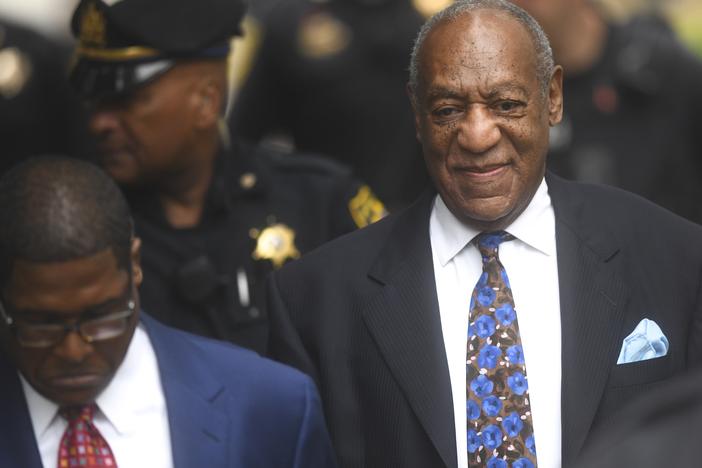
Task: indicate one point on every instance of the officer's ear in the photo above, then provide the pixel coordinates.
(209, 102)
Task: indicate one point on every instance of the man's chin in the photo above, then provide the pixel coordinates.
(74, 391)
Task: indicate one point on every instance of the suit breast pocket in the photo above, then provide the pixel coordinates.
(641, 372)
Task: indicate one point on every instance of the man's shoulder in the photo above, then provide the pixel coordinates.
(281, 162)
(182, 353)
(616, 209)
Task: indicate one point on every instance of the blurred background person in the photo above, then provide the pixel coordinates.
(39, 112)
(633, 92)
(330, 77)
(215, 216)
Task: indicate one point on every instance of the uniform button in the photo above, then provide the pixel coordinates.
(254, 313)
(247, 180)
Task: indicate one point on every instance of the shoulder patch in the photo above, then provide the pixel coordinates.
(365, 208)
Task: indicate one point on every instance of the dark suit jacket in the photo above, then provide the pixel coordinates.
(662, 428)
(227, 407)
(361, 316)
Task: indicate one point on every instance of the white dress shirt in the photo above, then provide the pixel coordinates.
(131, 416)
(530, 263)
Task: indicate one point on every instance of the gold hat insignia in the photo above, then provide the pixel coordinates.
(277, 244)
(93, 29)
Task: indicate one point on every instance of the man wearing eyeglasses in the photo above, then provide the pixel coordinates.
(87, 380)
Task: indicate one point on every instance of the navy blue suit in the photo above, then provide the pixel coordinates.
(227, 407)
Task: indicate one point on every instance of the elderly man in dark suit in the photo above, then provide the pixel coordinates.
(498, 322)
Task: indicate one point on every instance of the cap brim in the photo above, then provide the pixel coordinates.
(96, 79)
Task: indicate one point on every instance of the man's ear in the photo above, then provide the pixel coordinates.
(209, 103)
(555, 96)
(135, 257)
(413, 100)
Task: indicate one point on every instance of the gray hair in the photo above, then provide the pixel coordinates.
(544, 55)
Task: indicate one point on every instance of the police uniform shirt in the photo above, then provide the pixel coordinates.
(262, 209)
(332, 77)
(632, 120)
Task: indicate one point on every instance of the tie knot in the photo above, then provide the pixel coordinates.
(489, 242)
(74, 413)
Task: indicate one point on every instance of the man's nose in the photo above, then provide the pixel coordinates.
(103, 120)
(73, 348)
(478, 131)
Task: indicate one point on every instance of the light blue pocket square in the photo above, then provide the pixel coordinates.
(647, 341)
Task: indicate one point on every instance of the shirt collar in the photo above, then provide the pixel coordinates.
(135, 387)
(535, 227)
(42, 411)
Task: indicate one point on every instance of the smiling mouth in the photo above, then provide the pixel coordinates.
(485, 171)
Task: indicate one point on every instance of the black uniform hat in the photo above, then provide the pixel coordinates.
(124, 43)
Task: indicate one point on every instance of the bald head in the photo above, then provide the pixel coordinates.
(542, 49)
(55, 209)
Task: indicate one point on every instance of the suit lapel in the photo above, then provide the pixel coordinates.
(405, 323)
(18, 447)
(592, 297)
(193, 398)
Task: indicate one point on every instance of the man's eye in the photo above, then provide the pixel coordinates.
(445, 111)
(508, 106)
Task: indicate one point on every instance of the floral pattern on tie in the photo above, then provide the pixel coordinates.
(500, 429)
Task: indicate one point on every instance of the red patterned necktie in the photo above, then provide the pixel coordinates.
(82, 445)
(500, 430)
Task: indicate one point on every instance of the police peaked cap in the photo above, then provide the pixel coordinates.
(125, 43)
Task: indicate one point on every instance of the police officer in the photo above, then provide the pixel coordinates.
(633, 95)
(39, 112)
(215, 216)
(331, 76)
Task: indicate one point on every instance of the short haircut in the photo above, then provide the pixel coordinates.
(544, 55)
(55, 209)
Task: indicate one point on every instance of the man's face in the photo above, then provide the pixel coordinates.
(481, 117)
(72, 372)
(148, 133)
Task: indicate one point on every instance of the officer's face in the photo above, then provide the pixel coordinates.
(481, 117)
(150, 134)
(72, 371)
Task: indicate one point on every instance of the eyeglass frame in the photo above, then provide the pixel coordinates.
(74, 327)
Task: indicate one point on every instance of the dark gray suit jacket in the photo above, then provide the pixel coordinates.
(361, 316)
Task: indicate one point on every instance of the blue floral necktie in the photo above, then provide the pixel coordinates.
(500, 429)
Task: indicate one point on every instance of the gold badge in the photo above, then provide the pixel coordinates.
(321, 35)
(277, 244)
(427, 8)
(93, 32)
(15, 70)
(365, 208)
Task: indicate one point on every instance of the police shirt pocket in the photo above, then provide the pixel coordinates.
(641, 372)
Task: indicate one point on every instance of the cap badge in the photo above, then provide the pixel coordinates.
(277, 244)
(365, 208)
(93, 27)
(321, 35)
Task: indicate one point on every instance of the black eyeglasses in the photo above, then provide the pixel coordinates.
(45, 335)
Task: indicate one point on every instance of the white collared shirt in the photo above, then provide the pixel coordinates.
(530, 263)
(132, 414)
